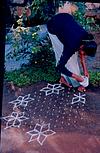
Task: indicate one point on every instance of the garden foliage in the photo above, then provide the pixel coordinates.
(27, 43)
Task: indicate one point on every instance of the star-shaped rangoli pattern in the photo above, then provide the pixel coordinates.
(21, 101)
(79, 98)
(40, 133)
(50, 89)
(15, 119)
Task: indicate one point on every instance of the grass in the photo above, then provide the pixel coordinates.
(30, 75)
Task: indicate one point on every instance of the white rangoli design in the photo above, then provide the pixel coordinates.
(79, 98)
(21, 101)
(15, 119)
(50, 89)
(40, 133)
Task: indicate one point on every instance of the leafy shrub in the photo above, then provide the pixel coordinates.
(42, 10)
(24, 41)
(44, 58)
(30, 75)
(95, 78)
(87, 23)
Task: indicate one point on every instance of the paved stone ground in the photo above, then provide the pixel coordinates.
(63, 121)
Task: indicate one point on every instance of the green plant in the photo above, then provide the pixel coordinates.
(24, 42)
(17, 77)
(31, 75)
(39, 9)
(45, 57)
(95, 78)
(87, 23)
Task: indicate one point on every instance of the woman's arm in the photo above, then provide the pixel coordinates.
(83, 63)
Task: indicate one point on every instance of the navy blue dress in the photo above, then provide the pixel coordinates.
(70, 33)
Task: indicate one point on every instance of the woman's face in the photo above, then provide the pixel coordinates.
(81, 51)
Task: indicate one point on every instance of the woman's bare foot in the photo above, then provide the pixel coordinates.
(63, 81)
(81, 89)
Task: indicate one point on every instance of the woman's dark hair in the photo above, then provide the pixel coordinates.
(90, 48)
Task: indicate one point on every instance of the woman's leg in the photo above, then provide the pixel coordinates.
(73, 66)
(64, 80)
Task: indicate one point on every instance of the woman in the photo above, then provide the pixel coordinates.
(69, 40)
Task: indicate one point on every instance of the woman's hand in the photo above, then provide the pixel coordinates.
(77, 77)
(86, 73)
